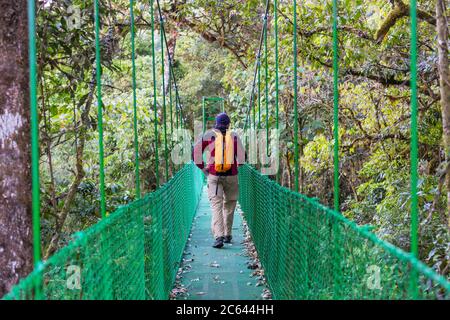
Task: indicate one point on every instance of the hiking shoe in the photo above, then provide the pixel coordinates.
(227, 239)
(218, 243)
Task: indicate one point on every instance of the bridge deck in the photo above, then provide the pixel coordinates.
(210, 274)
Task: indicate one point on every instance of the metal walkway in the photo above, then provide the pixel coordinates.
(210, 273)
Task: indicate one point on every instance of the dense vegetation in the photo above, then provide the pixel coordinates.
(214, 44)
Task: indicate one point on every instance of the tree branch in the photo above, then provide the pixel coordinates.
(400, 11)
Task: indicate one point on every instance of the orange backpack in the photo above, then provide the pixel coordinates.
(224, 151)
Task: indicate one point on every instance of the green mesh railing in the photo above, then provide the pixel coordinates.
(132, 254)
(309, 251)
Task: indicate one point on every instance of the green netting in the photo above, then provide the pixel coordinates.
(132, 254)
(309, 251)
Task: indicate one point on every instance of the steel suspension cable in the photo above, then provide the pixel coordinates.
(259, 92)
(253, 107)
(155, 103)
(35, 184)
(414, 147)
(337, 281)
(135, 122)
(275, 12)
(178, 104)
(170, 101)
(266, 79)
(295, 52)
(98, 75)
(255, 75)
(336, 104)
(204, 114)
(163, 61)
(176, 116)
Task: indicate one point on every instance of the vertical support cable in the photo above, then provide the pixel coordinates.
(259, 91)
(277, 125)
(337, 239)
(253, 107)
(176, 114)
(414, 146)
(266, 79)
(135, 122)
(166, 161)
(296, 160)
(203, 114)
(178, 104)
(336, 105)
(255, 75)
(155, 104)
(180, 111)
(35, 192)
(98, 74)
(170, 97)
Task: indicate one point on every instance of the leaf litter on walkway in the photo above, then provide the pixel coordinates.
(253, 263)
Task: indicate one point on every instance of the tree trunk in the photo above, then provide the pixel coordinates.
(15, 173)
(444, 83)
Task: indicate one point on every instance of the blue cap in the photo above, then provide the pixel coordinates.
(222, 120)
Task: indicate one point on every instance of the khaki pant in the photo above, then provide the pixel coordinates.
(223, 194)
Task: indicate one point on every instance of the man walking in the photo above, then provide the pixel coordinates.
(225, 154)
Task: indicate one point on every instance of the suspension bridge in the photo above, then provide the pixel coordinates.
(307, 250)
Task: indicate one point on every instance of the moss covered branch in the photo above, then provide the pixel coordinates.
(399, 11)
